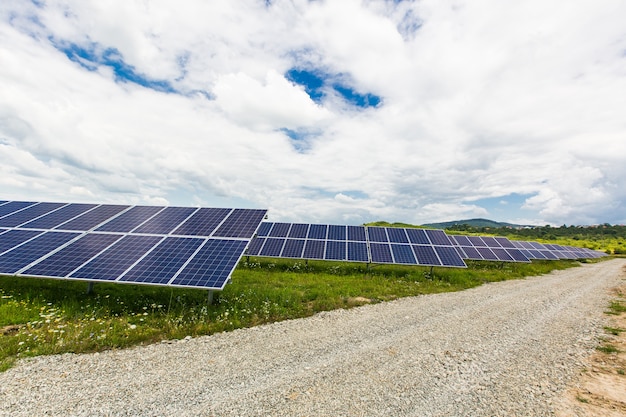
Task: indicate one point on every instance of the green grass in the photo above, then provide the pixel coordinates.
(616, 308)
(607, 348)
(615, 331)
(40, 317)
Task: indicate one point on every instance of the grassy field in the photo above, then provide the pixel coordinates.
(39, 317)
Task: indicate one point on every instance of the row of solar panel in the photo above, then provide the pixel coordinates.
(355, 243)
(491, 249)
(178, 221)
(161, 260)
(334, 250)
(395, 245)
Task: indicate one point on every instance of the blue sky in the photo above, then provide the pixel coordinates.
(328, 111)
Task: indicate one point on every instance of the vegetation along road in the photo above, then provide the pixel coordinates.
(502, 349)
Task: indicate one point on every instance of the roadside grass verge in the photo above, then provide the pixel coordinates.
(45, 316)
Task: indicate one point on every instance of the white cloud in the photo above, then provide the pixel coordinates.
(479, 100)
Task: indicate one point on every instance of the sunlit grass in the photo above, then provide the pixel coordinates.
(39, 317)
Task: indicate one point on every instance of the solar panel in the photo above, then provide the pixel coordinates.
(12, 238)
(176, 246)
(438, 237)
(293, 248)
(72, 256)
(337, 232)
(112, 263)
(381, 253)
(377, 234)
(59, 216)
(299, 231)
(272, 247)
(397, 235)
(317, 231)
(449, 256)
(314, 249)
(426, 255)
(255, 246)
(130, 219)
(356, 233)
(264, 229)
(25, 254)
(14, 206)
(28, 214)
(92, 218)
(241, 223)
(166, 221)
(161, 264)
(418, 236)
(357, 252)
(403, 254)
(212, 265)
(335, 250)
(280, 229)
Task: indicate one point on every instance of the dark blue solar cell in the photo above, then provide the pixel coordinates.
(377, 234)
(28, 214)
(164, 261)
(280, 230)
(92, 218)
(299, 231)
(397, 235)
(241, 223)
(335, 250)
(293, 248)
(14, 206)
(357, 251)
(13, 238)
(491, 242)
(530, 245)
(255, 246)
(203, 222)
(317, 231)
(438, 237)
(533, 253)
(212, 266)
(471, 253)
(59, 216)
(477, 241)
(502, 254)
(417, 236)
(505, 243)
(356, 233)
(426, 255)
(449, 256)
(112, 263)
(166, 221)
(462, 240)
(314, 249)
(487, 254)
(272, 247)
(402, 254)
(264, 229)
(22, 256)
(336, 232)
(517, 255)
(130, 219)
(381, 252)
(63, 262)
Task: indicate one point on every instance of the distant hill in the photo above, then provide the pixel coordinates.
(474, 223)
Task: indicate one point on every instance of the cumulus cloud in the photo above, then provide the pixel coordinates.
(196, 104)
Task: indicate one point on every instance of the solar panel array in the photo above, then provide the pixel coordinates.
(502, 249)
(381, 245)
(176, 246)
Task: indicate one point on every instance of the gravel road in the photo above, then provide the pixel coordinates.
(502, 349)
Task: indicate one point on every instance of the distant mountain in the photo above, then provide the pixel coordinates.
(474, 223)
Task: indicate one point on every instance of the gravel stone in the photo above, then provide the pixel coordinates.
(502, 349)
